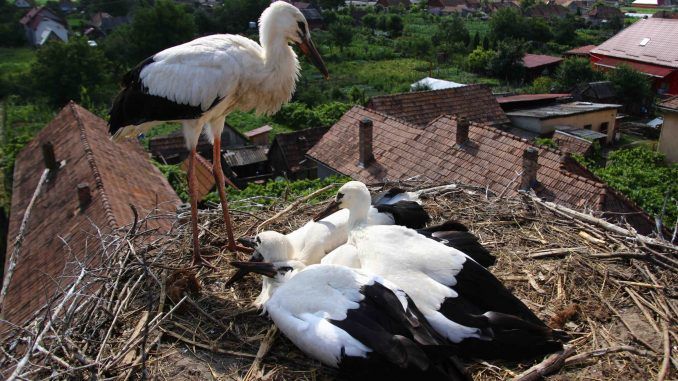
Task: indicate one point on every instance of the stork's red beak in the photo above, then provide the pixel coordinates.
(309, 50)
(331, 208)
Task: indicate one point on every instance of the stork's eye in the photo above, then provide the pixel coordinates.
(257, 240)
(302, 27)
(340, 196)
(285, 269)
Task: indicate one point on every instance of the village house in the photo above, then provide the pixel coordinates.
(474, 102)
(602, 14)
(243, 165)
(596, 117)
(581, 51)
(171, 148)
(572, 143)
(374, 147)
(259, 136)
(668, 139)
(648, 46)
(90, 184)
(42, 24)
(287, 154)
(446, 7)
(598, 92)
(102, 23)
(393, 3)
(539, 65)
(527, 101)
(546, 11)
(429, 83)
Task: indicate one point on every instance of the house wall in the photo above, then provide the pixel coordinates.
(45, 26)
(325, 171)
(547, 126)
(668, 139)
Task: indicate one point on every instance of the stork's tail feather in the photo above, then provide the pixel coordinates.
(454, 234)
(406, 213)
(394, 195)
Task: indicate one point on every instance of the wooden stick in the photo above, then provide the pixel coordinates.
(546, 367)
(556, 252)
(264, 347)
(664, 369)
(212, 348)
(603, 351)
(644, 310)
(18, 242)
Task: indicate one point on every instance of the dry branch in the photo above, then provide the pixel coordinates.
(551, 364)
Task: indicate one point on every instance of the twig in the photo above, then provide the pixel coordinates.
(603, 351)
(212, 348)
(264, 347)
(546, 367)
(664, 369)
(18, 242)
(294, 205)
(556, 252)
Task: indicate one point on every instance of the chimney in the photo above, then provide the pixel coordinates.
(365, 143)
(530, 166)
(462, 131)
(84, 195)
(48, 156)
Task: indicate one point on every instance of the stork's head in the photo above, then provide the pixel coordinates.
(284, 19)
(353, 195)
(269, 247)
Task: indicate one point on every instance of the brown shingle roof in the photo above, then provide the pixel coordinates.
(532, 61)
(581, 51)
(117, 174)
(570, 143)
(474, 102)
(294, 145)
(203, 175)
(660, 49)
(546, 11)
(491, 158)
(670, 104)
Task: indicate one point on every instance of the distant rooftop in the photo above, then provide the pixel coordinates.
(581, 51)
(530, 97)
(531, 61)
(564, 109)
(436, 84)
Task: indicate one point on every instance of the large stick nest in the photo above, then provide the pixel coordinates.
(134, 313)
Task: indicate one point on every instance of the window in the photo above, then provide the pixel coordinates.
(587, 127)
(603, 128)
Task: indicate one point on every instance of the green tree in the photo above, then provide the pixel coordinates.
(508, 23)
(508, 62)
(394, 25)
(479, 60)
(159, 27)
(575, 71)
(565, 30)
(541, 85)
(234, 16)
(11, 32)
(114, 8)
(486, 42)
(370, 21)
(633, 88)
(645, 178)
(539, 30)
(65, 71)
(475, 41)
(451, 30)
(331, 4)
(342, 32)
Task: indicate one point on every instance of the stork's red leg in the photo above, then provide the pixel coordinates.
(219, 178)
(197, 258)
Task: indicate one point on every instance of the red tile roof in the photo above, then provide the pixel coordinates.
(605, 12)
(531, 61)
(660, 49)
(570, 143)
(670, 104)
(530, 97)
(203, 175)
(649, 69)
(292, 147)
(546, 11)
(474, 102)
(257, 131)
(581, 51)
(117, 175)
(491, 158)
(34, 17)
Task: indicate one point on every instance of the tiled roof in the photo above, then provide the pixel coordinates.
(474, 102)
(605, 12)
(245, 155)
(117, 174)
(294, 145)
(34, 17)
(546, 11)
(563, 109)
(257, 131)
(530, 97)
(531, 61)
(581, 51)
(175, 144)
(659, 49)
(490, 158)
(570, 143)
(203, 175)
(670, 104)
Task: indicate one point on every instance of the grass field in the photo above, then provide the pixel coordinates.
(640, 10)
(14, 60)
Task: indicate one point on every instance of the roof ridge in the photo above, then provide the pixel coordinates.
(91, 160)
(428, 91)
(387, 116)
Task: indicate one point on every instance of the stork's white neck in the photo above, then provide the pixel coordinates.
(357, 216)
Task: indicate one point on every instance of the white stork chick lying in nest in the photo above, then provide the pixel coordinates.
(461, 299)
(350, 320)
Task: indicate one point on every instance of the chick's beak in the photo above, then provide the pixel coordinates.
(243, 270)
(331, 208)
(263, 268)
(309, 50)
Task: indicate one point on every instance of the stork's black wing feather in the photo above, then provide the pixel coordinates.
(406, 213)
(455, 234)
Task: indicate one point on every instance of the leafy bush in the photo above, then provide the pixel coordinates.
(575, 71)
(545, 142)
(541, 85)
(645, 178)
(479, 60)
(633, 88)
(176, 178)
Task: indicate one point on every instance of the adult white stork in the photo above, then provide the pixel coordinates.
(351, 320)
(463, 301)
(200, 82)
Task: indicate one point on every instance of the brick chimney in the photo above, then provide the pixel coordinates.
(530, 166)
(365, 143)
(462, 130)
(48, 156)
(84, 195)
